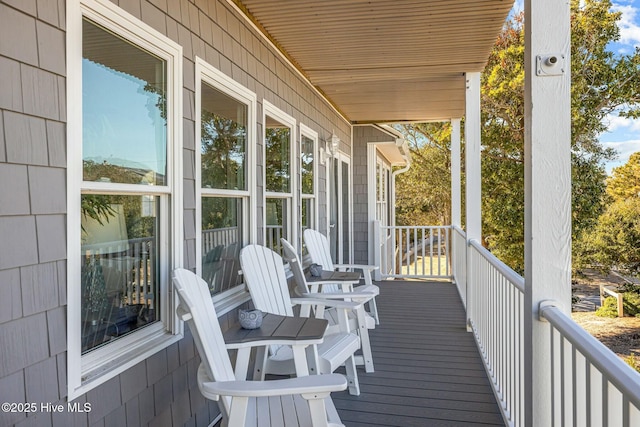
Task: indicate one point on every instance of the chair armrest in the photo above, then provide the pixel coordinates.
(347, 305)
(319, 385)
(363, 289)
(358, 296)
(358, 266)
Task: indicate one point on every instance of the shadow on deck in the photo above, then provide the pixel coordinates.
(427, 368)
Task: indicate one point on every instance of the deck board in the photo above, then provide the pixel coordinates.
(427, 368)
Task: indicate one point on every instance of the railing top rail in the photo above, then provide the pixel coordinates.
(458, 230)
(614, 369)
(513, 277)
(415, 227)
(234, 227)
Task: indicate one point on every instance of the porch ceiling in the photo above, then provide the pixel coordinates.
(383, 61)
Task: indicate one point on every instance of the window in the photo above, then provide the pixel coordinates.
(309, 214)
(383, 172)
(225, 156)
(279, 187)
(124, 229)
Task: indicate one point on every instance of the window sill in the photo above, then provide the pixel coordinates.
(105, 363)
(95, 374)
(231, 299)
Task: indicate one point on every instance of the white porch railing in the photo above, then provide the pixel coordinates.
(420, 251)
(273, 236)
(497, 308)
(128, 267)
(459, 261)
(591, 386)
(218, 237)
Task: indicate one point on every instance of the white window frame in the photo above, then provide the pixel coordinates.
(268, 109)
(338, 158)
(307, 132)
(85, 372)
(206, 73)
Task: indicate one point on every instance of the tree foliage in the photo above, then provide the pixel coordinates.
(615, 240)
(602, 83)
(223, 163)
(425, 188)
(624, 182)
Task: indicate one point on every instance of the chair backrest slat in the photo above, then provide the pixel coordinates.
(320, 253)
(318, 247)
(195, 299)
(266, 279)
(291, 257)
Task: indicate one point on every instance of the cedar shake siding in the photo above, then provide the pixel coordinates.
(161, 390)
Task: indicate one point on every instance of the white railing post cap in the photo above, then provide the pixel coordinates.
(548, 304)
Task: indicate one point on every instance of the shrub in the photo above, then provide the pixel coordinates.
(633, 362)
(630, 304)
(609, 308)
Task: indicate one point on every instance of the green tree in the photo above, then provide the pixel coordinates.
(223, 145)
(426, 186)
(624, 182)
(602, 83)
(277, 142)
(615, 239)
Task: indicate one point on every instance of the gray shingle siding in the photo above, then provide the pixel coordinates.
(162, 389)
(363, 135)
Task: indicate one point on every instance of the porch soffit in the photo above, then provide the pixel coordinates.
(383, 61)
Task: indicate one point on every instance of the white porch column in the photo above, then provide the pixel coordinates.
(456, 191)
(473, 186)
(547, 190)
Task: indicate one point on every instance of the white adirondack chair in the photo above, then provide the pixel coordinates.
(264, 275)
(358, 319)
(320, 252)
(303, 401)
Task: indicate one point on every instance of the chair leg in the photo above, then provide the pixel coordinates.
(373, 308)
(365, 343)
(352, 376)
(260, 363)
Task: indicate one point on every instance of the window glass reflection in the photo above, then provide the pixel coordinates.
(221, 240)
(120, 279)
(278, 146)
(124, 135)
(306, 165)
(277, 211)
(223, 140)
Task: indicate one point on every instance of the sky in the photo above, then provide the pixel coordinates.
(624, 134)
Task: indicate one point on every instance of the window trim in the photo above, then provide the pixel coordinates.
(206, 73)
(85, 372)
(268, 109)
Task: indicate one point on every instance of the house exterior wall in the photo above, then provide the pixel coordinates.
(161, 390)
(363, 135)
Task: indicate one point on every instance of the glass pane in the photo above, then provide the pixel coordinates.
(308, 218)
(120, 279)
(222, 237)
(345, 214)
(277, 212)
(333, 214)
(124, 105)
(278, 146)
(306, 165)
(223, 140)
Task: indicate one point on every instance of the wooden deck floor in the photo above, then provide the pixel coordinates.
(427, 368)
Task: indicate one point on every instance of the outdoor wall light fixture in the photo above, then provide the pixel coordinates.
(331, 147)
